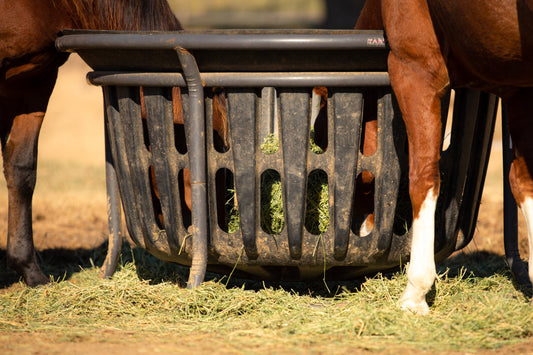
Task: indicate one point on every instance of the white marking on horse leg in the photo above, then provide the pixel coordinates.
(367, 226)
(421, 272)
(527, 210)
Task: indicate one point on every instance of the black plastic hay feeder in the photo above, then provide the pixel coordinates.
(267, 78)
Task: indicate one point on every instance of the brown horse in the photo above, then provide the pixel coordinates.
(436, 45)
(28, 67)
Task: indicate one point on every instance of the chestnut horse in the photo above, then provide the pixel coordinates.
(436, 45)
(29, 65)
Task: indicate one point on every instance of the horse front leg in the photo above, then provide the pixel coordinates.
(419, 79)
(20, 165)
(20, 124)
(420, 106)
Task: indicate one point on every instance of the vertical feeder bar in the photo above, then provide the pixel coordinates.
(295, 142)
(197, 160)
(242, 110)
(347, 119)
(113, 203)
(484, 123)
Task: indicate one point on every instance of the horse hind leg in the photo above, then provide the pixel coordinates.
(520, 125)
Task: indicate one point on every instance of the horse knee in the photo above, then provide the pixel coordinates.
(20, 153)
(20, 178)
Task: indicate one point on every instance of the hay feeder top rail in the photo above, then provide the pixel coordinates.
(267, 80)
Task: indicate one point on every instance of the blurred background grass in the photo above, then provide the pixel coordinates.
(267, 13)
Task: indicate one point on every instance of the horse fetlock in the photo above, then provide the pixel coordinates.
(422, 281)
(28, 268)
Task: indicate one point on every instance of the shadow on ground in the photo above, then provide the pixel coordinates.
(58, 263)
(63, 263)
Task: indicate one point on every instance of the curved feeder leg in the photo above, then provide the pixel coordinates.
(197, 163)
(510, 215)
(113, 215)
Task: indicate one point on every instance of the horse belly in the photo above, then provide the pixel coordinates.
(485, 43)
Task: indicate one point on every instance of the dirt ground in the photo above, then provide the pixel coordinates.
(70, 213)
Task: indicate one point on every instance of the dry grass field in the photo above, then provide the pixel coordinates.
(254, 13)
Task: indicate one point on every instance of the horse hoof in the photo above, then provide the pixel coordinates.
(419, 308)
(36, 279)
(521, 274)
